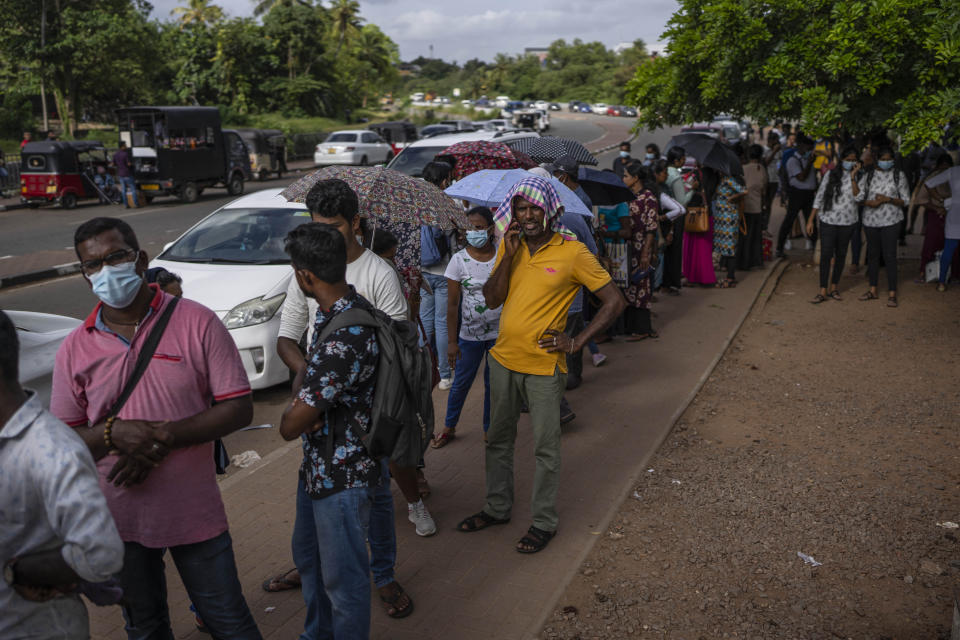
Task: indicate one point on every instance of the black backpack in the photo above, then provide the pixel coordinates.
(402, 418)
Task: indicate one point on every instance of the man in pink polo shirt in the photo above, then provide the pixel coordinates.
(156, 460)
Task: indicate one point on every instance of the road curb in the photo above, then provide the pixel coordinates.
(533, 631)
(58, 271)
(633, 136)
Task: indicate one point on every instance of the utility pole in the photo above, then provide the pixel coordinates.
(431, 52)
(43, 42)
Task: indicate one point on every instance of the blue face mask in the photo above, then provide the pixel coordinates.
(117, 286)
(885, 165)
(477, 237)
(650, 156)
(624, 154)
(848, 165)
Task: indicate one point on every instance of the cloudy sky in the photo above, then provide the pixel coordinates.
(463, 30)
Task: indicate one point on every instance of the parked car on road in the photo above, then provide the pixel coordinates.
(415, 157)
(728, 133)
(613, 110)
(599, 108)
(397, 134)
(541, 104)
(40, 335)
(233, 262)
(628, 112)
(436, 130)
(554, 106)
(352, 147)
(460, 125)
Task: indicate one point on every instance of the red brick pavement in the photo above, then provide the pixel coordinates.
(475, 585)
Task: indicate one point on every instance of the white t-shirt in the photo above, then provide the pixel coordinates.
(478, 321)
(370, 275)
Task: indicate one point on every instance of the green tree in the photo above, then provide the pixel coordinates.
(199, 12)
(830, 64)
(345, 21)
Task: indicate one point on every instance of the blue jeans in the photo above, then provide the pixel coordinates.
(128, 181)
(330, 551)
(949, 248)
(472, 354)
(382, 535)
(209, 573)
(433, 315)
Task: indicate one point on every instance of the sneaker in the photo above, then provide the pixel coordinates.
(787, 245)
(445, 383)
(599, 359)
(809, 245)
(417, 514)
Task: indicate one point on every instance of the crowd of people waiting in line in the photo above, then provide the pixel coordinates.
(522, 292)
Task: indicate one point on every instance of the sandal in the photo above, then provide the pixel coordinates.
(892, 302)
(637, 337)
(536, 539)
(941, 287)
(479, 521)
(726, 283)
(390, 602)
(442, 440)
(835, 295)
(869, 295)
(818, 299)
(282, 582)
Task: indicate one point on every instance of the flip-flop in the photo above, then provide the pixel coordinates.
(390, 602)
(818, 299)
(442, 440)
(835, 295)
(869, 295)
(280, 583)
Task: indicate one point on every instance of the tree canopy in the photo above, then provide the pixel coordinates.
(298, 58)
(851, 65)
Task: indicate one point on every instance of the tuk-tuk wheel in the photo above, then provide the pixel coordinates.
(68, 200)
(235, 186)
(189, 192)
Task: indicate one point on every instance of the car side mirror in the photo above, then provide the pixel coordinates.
(167, 246)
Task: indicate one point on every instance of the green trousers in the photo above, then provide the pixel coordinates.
(508, 390)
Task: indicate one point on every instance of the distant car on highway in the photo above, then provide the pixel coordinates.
(415, 157)
(40, 335)
(628, 112)
(541, 104)
(352, 147)
(233, 262)
(554, 106)
(599, 108)
(613, 110)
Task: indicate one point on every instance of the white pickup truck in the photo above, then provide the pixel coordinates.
(535, 119)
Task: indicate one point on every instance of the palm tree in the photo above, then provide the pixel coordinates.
(345, 21)
(377, 54)
(198, 11)
(264, 6)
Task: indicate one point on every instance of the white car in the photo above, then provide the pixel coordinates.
(233, 262)
(415, 157)
(352, 147)
(40, 335)
(543, 105)
(599, 109)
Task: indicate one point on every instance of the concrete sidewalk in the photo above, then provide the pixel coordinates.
(476, 585)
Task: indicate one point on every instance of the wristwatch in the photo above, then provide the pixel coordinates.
(10, 572)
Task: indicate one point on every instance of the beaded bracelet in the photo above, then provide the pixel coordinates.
(106, 433)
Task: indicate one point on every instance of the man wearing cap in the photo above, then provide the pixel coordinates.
(539, 269)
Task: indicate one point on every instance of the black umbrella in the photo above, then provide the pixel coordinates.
(548, 149)
(709, 152)
(605, 188)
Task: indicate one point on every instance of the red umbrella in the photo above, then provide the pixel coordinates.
(470, 157)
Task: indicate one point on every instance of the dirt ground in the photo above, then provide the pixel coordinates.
(826, 429)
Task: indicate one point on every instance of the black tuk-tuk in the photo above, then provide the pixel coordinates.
(181, 151)
(60, 172)
(268, 151)
(397, 134)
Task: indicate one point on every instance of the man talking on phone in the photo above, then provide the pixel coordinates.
(539, 269)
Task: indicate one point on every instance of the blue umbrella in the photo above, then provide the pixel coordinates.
(489, 187)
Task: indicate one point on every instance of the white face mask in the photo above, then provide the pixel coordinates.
(117, 286)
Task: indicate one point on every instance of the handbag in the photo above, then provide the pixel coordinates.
(698, 220)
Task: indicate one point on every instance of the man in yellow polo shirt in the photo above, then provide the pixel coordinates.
(539, 270)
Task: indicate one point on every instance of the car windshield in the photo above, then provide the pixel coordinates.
(341, 137)
(412, 160)
(238, 236)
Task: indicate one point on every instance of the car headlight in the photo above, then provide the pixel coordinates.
(251, 312)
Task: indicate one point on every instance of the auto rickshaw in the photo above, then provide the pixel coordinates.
(397, 134)
(268, 151)
(59, 171)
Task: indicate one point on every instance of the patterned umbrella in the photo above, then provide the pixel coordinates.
(549, 149)
(526, 162)
(470, 157)
(386, 194)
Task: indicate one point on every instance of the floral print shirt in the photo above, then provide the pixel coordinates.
(892, 183)
(844, 207)
(340, 379)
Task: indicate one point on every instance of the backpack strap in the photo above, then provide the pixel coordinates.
(349, 318)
